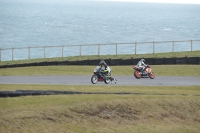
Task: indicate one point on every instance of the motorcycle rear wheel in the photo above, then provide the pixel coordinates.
(151, 75)
(94, 79)
(137, 74)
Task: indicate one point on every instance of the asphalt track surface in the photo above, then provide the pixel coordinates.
(86, 80)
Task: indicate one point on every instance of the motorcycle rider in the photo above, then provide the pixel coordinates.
(106, 67)
(141, 65)
(107, 70)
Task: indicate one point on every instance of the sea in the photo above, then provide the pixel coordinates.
(33, 23)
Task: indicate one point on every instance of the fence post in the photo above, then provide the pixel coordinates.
(153, 48)
(29, 53)
(62, 51)
(135, 47)
(44, 52)
(191, 45)
(80, 49)
(173, 46)
(12, 53)
(98, 49)
(116, 48)
(0, 54)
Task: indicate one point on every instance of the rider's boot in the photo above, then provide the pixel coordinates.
(113, 80)
(143, 71)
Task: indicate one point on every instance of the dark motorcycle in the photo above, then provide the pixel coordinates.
(147, 72)
(100, 76)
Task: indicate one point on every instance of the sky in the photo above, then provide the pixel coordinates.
(160, 1)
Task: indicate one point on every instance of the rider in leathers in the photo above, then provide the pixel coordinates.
(141, 65)
(106, 67)
(107, 71)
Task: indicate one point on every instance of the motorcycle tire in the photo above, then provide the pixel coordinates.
(107, 80)
(151, 75)
(137, 75)
(94, 79)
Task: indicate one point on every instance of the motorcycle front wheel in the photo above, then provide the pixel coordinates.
(107, 80)
(151, 75)
(94, 79)
(137, 74)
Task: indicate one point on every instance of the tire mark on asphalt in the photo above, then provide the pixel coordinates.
(18, 93)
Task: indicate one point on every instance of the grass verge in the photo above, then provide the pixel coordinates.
(159, 70)
(159, 109)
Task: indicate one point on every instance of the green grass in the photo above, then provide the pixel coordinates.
(141, 113)
(150, 90)
(125, 56)
(154, 109)
(159, 70)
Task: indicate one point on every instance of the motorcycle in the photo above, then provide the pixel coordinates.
(100, 76)
(147, 72)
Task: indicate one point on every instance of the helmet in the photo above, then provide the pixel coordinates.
(142, 60)
(102, 63)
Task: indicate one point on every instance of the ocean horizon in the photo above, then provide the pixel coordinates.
(55, 23)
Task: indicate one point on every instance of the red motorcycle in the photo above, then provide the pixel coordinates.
(147, 72)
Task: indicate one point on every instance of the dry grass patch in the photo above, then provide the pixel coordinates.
(132, 111)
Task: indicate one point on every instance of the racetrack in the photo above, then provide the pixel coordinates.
(86, 80)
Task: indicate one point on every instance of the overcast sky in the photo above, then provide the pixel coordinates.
(160, 1)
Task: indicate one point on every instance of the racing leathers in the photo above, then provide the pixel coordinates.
(106, 69)
(141, 65)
